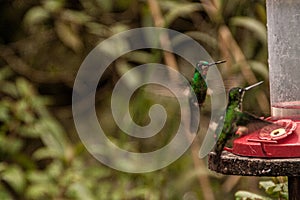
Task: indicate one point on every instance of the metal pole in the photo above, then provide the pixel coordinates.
(294, 187)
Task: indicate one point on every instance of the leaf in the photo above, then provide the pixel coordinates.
(268, 186)
(14, 176)
(53, 136)
(3, 166)
(107, 5)
(9, 89)
(181, 10)
(5, 72)
(253, 25)
(118, 28)
(36, 15)
(140, 57)
(38, 177)
(30, 131)
(4, 194)
(244, 195)
(261, 12)
(4, 111)
(44, 153)
(23, 112)
(45, 190)
(79, 191)
(69, 37)
(77, 17)
(259, 68)
(10, 146)
(98, 29)
(24, 88)
(53, 5)
(204, 38)
(55, 169)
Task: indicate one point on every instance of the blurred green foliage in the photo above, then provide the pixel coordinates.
(42, 44)
(275, 188)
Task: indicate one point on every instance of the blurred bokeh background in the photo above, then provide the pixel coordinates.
(42, 45)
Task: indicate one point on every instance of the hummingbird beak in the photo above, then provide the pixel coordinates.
(216, 63)
(252, 86)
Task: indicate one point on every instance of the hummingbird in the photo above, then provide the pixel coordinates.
(234, 118)
(199, 86)
(198, 82)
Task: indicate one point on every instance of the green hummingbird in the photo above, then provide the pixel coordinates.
(234, 117)
(199, 86)
(198, 83)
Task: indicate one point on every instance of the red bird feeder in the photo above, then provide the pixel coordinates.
(282, 141)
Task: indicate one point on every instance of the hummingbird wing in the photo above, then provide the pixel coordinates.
(252, 122)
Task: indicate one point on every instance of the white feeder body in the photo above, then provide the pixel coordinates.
(284, 56)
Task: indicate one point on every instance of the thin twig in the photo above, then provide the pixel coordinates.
(158, 19)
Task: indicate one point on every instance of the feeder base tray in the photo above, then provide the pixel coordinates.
(231, 164)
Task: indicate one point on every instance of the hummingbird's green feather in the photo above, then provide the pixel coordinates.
(199, 86)
(246, 119)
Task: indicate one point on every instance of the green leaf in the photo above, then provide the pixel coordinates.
(181, 10)
(244, 195)
(42, 191)
(284, 195)
(4, 194)
(54, 137)
(98, 29)
(42, 186)
(23, 112)
(68, 36)
(38, 177)
(258, 28)
(204, 38)
(140, 57)
(3, 166)
(5, 72)
(4, 111)
(10, 145)
(55, 169)
(53, 5)
(14, 176)
(77, 17)
(30, 130)
(107, 5)
(36, 15)
(268, 186)
(44, 153)
(79, 191)
(259, 68)
(9, 89)
(24, 88)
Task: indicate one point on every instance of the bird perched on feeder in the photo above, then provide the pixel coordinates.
(234, 118)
